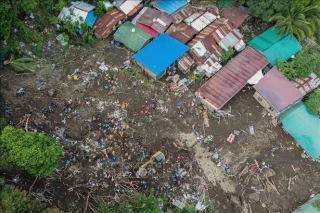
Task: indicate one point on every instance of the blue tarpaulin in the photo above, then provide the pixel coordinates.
(304, 127)
(159, 54)
(90, 19)
(170, 6)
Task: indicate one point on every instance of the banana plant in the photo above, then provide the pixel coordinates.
(25, 64)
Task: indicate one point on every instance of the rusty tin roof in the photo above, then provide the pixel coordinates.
(155, 19)
(232, 77)
(277, 90)
(182, 14)
(182, 32)
(235, 15)
(105, 24)
(186, 62)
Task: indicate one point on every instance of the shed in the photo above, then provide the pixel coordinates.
(105, 24)
(304, 127)
(159, 55)
(170, 6)
(153, 21)
(132, 36)
(223, 86)
(275, 92)
(235, 15)
(182, 32)
(273, 46)
(79, 12)
(310, 206)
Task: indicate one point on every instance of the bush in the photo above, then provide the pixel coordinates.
(36, 153)
(3, 124)
(227, 55)
(100, 9)
(14, 200)
(313, 101)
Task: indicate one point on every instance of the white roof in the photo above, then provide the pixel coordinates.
(74, 14)
(192, 18)
(129, 5)
(203, 21)
(83, 6)
(199, 48)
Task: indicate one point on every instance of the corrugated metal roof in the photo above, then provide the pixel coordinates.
(83, 6)
(203, 21)
(129, 5)
(186, 62)
(134, 21)
(232, 77)
(132, 36)
(193, 17)
(277, 90)
(157, 20)
(235, 15)
(105, 24)
(170, 6)
(222, 31)
(160, 54)
(182, 32)
(230, 40)
(206, 31)
(182, 14)
(210, 66)
(306, 85)
(266, 39)
(135, 10)
(303, 126)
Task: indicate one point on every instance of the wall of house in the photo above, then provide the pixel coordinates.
(265, 104)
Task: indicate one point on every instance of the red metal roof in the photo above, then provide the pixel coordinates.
(235, 15)
(277, 90)
(182, 32)
(105, 24)
(207, 31)
(182, 14)
(232, 77)
(155, 19)
(147, 29)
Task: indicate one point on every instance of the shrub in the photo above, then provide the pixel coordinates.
(227, 55)
(313, 101)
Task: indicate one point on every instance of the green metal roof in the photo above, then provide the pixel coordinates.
(304, 127)
(132, 36)
(273, 46)
(310, 206)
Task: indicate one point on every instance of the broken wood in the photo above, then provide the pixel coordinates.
(85, 209)
(32, 185)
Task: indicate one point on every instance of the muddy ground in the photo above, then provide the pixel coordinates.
(232, 181)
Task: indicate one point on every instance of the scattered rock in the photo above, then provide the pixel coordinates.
(51, 92)
(235, 201)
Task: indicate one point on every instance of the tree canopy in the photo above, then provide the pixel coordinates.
(313, 101)
(36, 153)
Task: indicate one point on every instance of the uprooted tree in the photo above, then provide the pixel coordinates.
(35, 153)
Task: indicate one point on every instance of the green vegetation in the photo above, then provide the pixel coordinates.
(14, 200)
(301, 20)
(301, 66)
(100, 9)
(227, 55)
(25, 64)
(313, 101)
(264, 9)
(3, 124)
(142, 204)
(36, 153)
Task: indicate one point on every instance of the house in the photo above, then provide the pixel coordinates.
(182, 32)
(203, 21)
(153, 21)
(304, 127)
(79, 12)
(107, 22)
(180, 15)
(306, 85)
(309, 207)
(275, 47)
(161, 54)
(128, 7)
(169, 6)
(132, 36)
(223, 86)
(235, 15)
(210, 67)
(185, 63)
(275, 92)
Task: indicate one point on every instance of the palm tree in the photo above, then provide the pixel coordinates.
(25, 64)
(301, 20)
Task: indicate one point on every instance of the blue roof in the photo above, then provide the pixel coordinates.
(160, 53)
(304, 127)
(170, 6)
(90, 19)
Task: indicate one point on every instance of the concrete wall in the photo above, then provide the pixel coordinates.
(265, 104)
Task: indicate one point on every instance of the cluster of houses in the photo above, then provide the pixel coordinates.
(174, 34)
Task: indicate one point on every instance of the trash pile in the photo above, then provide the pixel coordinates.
(177, 84)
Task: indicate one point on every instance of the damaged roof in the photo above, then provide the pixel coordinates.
(232, 77)
(277, 90)
(105, 24)
(235, 15)
(153, 21)
(182, 32)
(203, 21)
(182, 14)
